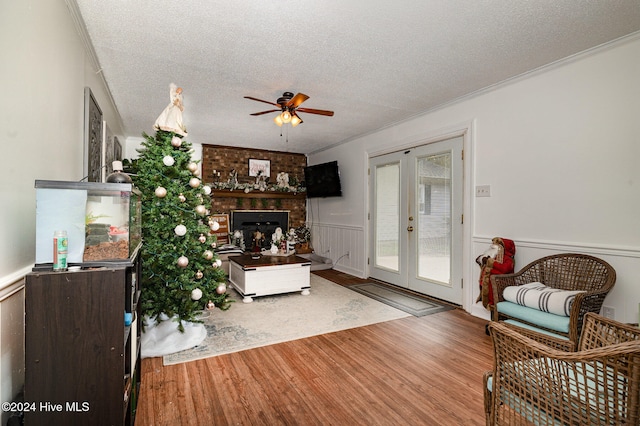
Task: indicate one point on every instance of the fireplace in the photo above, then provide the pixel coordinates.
(265, 221)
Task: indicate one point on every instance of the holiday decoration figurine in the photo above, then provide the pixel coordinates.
(171, 118)
(497, 259)
(180, 275)
(233, 179)
(261, 181)
(238, 239)
(283, 180)
(258, 240)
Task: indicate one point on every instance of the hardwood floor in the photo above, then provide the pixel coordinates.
(410, 371)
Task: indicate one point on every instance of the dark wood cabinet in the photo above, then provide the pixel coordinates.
(81, 357)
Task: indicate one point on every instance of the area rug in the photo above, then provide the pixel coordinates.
(414, 305)
(281, 318)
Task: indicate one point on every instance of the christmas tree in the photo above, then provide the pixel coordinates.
(181, 274)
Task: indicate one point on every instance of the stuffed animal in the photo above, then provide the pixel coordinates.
(497, 259)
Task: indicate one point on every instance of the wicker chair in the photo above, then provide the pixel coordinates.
(567, 271)
(532, 383)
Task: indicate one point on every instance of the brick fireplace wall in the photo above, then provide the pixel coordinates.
(223, 159)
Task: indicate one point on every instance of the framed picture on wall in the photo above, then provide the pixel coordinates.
(117, 149)
(92, 138)
(262, 167)
(107, 152)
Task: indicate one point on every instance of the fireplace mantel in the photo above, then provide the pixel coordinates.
(224, 159)
(239, 193)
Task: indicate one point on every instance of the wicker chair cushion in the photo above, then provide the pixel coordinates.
(536, 329)
(534, 316)
(538, 296)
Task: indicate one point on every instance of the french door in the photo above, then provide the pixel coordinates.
(415, 224)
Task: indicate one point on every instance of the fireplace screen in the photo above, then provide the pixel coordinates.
(264, 222)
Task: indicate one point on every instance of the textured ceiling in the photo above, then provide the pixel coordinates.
(373, 62)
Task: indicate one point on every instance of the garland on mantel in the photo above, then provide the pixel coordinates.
(248, 187)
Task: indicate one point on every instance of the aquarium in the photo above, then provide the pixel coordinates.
(102, 220)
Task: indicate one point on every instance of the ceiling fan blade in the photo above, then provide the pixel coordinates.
(260, 100)
(316, 111)
(266, 112)
(297, 100)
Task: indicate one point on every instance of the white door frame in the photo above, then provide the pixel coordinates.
(467, 131)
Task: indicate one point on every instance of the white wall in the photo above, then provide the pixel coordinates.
(44, 71)
(560, 149)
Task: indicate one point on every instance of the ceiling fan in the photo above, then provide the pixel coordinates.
(289, 107)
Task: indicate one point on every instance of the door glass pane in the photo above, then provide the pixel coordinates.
(387, 216)
(433, 199)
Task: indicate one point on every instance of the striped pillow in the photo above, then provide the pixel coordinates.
(538, 296)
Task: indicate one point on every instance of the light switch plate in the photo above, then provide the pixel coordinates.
(483, 191)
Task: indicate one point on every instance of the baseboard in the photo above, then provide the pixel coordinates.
(350, 271)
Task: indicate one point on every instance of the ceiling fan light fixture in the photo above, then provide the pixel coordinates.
(287, 105)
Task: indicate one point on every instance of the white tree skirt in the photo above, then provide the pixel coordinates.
(165, 338)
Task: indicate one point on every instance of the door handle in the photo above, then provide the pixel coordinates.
(410, 228)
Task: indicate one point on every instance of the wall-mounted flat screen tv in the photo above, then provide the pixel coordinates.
(323, 180)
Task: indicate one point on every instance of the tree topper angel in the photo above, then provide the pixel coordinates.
(170, 119)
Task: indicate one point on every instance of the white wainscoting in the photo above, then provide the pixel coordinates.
(335, 241)
(624, 297)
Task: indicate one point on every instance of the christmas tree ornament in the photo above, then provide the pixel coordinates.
(199, 275)
(211, 306)
(192, 167)
(183, 261)
(214, 244)
(180, 230)
(208, 254)
(214, 225)
(202, 238)
(182, 198)
(176, 142)
(194, 182)
(207, 189)
(168, 160)
(161, 192)
(221, 289)
(201, 210)
(196, 294)
(218, 262)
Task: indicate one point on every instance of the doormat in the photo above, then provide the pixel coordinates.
(414, 305)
